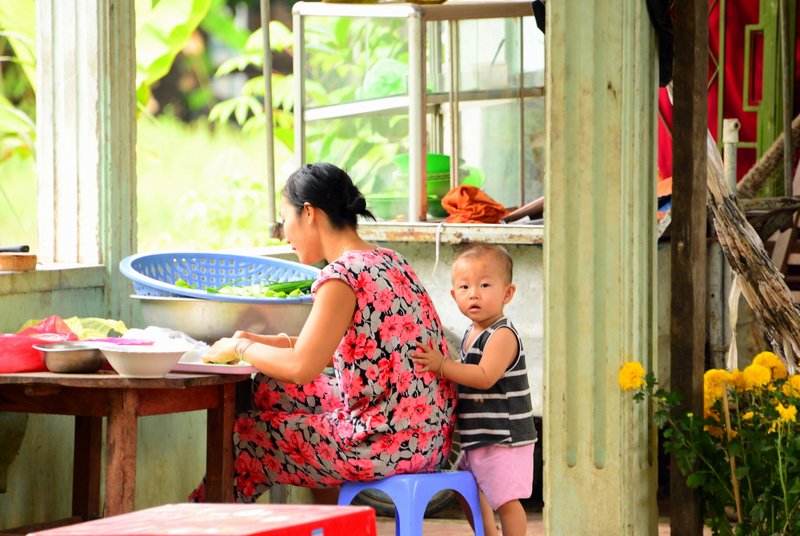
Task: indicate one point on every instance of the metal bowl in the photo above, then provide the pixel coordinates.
(209, 320)
(72, 357)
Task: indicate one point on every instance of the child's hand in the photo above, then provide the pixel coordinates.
(429, 358)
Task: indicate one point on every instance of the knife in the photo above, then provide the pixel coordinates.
(14, 249)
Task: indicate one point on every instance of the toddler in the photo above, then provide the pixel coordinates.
(495, 416)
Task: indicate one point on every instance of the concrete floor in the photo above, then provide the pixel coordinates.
(451, 522)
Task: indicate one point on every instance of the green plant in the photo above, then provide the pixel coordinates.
(163, 29)
(247, 108)
(218, 200)
(342, 56)
(744, 452)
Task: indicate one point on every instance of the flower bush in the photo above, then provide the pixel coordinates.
(744, 452)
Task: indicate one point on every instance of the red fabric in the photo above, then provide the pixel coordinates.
(17, 352)
(470, 204)
(739, 14)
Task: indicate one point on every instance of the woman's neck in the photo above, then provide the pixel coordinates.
(342, 241)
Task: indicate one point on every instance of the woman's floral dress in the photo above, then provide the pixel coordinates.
(377, 415)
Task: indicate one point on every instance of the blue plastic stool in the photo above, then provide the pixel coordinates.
(411, 494)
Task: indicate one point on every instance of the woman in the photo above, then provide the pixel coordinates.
(379, 415)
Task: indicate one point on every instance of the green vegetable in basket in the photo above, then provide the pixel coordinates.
(183, 283)
(287, 289)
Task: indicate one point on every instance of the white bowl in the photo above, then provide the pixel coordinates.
(136, 361)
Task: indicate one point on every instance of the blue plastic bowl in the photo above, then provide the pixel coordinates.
(155, 274)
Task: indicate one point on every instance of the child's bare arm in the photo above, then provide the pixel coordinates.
(499, 352)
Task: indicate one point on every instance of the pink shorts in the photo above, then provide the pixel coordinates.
(503, 473)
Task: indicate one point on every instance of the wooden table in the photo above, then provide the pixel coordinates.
(90, 397)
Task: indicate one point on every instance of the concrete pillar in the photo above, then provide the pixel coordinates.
(600, 246)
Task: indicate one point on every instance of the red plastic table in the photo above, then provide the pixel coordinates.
(90, 397)
(231, 519)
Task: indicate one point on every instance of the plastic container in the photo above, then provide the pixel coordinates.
(155, 274)
(394, 207)
(434, 163)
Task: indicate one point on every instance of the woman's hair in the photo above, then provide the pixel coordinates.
(328, 188)
(500, 254)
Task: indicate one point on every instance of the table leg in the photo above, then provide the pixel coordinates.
(86, 466)
(121, 452)
(219, 446)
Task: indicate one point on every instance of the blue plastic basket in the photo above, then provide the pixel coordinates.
(154, 274)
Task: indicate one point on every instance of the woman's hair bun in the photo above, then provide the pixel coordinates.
(358, 204)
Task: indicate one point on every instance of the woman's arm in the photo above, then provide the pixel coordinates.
(281, 341)
(330, 316)
(500, 351)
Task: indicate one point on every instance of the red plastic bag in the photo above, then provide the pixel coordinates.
(17, 353)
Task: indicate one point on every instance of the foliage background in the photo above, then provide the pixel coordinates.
(200, 182)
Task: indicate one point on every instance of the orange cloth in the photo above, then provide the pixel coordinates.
(467, 204)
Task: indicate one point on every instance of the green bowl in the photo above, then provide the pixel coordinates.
(435, 163)
(438, 184)
(388, 207)
(394, 207)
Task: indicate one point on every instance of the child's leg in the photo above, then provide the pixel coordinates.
(513, 519)
(489, 523)
(487, 515)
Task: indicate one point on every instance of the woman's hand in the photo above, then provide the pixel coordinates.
(223, 351)
(429, 358)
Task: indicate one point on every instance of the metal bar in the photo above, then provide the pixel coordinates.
(723, 5)
(730, 140)
(270, 147)
(434, 42)
(299, 89)
(520, 84)
(416, 119)
(787, 97)
(400, 103)
(445, 11)
(455, 87)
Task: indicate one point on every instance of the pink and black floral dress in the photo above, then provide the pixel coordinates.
(377, 415)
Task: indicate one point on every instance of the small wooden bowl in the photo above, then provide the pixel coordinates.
(17, 262)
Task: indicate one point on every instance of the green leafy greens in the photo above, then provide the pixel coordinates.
(281, 289)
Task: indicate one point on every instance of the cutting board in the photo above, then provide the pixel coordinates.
(17, 262)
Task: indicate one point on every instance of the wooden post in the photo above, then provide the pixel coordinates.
(688, 265)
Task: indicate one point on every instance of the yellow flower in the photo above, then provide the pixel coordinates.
(747, 416)
(713, 380)
(714, 431)
(773, 363)
(792, 385)
(631, 376)
(788, 414)
(737, 380)
(756, 376)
